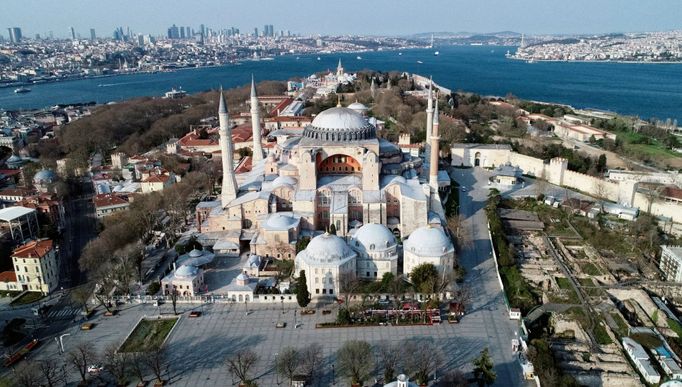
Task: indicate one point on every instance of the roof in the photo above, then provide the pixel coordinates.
(15, 191)
(107, 200)
(672, 192)
(8, 276)
(157, 179)
(33, 249)
(428, 241)
(11, 213)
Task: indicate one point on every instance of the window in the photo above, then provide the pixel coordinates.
(331, 291)
(375, 274)
(324, 291)
(367, 275)
(317, 291)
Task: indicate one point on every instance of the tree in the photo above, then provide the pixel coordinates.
(51, 372)
(27, 376)
(174, 300)
(287, 363)
(81, 295)
(348, 285)
(311, 359)
(423, 276)
(81, 357)
(332, 229)
(155, 360)
(241, 364)
(302, 293)
(139, 366)
(389, 357)
(118, 364)
(483, 369)
(424, 358)
(355, 360)
(601, 163)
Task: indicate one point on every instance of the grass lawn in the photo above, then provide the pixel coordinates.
(563, 283)
(570, 296)
(28, 298)
(675, 326)
(622, 325)
(148, 335)
(601, 335)
(590, 268)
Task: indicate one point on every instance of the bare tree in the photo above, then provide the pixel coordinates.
(652, 195)
(51, 372)
(80, 357)
(174, 300)
(389, 358)
(155, 360)
(125, 264)
(602, 192)
(241, 364)
(139, 366)
(463, 295)
(348, 285)
(311, 360)
(355, 360)
(424, 358)
(27, 376)
(81, 296)
(287, 362)
(118, 364)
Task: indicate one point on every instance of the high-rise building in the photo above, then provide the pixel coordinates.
(73, 34)
(14, 34)
(188, 32)
(182, 32)
(93, 36)
(173, 32)
(255, 32)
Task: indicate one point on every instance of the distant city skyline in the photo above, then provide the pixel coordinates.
(377, 17)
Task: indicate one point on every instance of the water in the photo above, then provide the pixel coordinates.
(647, 90)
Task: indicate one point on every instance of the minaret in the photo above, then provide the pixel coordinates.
(339, 69)
(388, 85)
(429, 120)
(433, 163)
(373, 89)
(255, 125)
(229, 191)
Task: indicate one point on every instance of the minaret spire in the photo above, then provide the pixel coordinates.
(433, 163)
(229, 191)
(255, 124)
(429, 120)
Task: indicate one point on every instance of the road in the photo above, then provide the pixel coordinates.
(475, 256)
(79, 230)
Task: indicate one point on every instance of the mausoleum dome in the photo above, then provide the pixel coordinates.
(428, 241)
(328, 247)
(373, 236)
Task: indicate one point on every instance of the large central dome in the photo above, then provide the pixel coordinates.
(340, 124)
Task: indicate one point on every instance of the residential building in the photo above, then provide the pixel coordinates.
(107, 204)
(671, 263)
(37, 266)
(157, 182)
(8, 281)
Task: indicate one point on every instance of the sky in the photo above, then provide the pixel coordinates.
(335, 17)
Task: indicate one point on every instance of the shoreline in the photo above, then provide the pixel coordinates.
(595, 61)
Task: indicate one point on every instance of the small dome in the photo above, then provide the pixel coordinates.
(44, 176)
(328, 247)
(243, 277)
(186, 271)
(428, 241)
(283, 180)
(281, 221)
(358, 107)
(373, 236)
(253, 261)
(195, 253)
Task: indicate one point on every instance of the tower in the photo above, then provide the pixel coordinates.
(429, 119)
(433, 163)
(255, 124)
(339, 69)
(373, 88)
(229, 191)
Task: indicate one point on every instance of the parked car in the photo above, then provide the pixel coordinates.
(95, 368)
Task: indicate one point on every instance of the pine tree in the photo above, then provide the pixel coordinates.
(484, 371)
(302, 294)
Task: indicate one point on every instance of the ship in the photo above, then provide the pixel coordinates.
(436, 53)
(22, 90)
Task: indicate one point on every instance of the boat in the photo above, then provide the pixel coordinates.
(530, 61)
(436, 53)
(400, 54)
(358, 57)
(318, 58)
(22, 90)
(420, 62)
(175, 94)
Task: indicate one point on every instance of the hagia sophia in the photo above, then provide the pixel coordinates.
(356, 196)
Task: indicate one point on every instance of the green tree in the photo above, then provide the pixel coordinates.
(423, 275)
(601, 163)
(332, 229)
(484, 369)
(302, 294)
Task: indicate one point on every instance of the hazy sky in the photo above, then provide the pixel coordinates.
(390, 17)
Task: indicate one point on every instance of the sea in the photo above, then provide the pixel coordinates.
(641, 89)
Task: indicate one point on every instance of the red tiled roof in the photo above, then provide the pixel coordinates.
(8, 276)
(156, 179)
(33, 249)
(16, 192)
(242, 133)
(672, 192)
(105, 200)
(281, 106)
(244, 165)
(10, 172)
(289, 119)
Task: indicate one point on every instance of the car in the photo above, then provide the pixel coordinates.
(95, 368)
(281, 324)
(194, 313)
(464, 189)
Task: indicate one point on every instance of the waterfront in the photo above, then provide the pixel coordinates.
(629, 88)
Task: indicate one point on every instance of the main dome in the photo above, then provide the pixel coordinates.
(340, 124)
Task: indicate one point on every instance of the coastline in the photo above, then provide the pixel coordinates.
(679, 62)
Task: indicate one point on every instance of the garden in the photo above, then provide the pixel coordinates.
(148, 335)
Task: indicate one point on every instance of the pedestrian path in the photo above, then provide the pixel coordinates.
(64, 313)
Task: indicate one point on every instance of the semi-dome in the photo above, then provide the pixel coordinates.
(44, 176)
(283, 180)
(428, 241)
(340, 124)
(328, 247)
(281, 221)
(373, 236)
(186, 271)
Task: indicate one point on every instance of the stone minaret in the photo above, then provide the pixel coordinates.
(229, 191)
(373, 89)
(433, 163)
(255, 125)
(429, 121)
(339, 69)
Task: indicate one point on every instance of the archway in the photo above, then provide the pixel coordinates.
(477, 159)
(338, 164)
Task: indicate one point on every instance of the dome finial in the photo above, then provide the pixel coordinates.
(338, 101)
